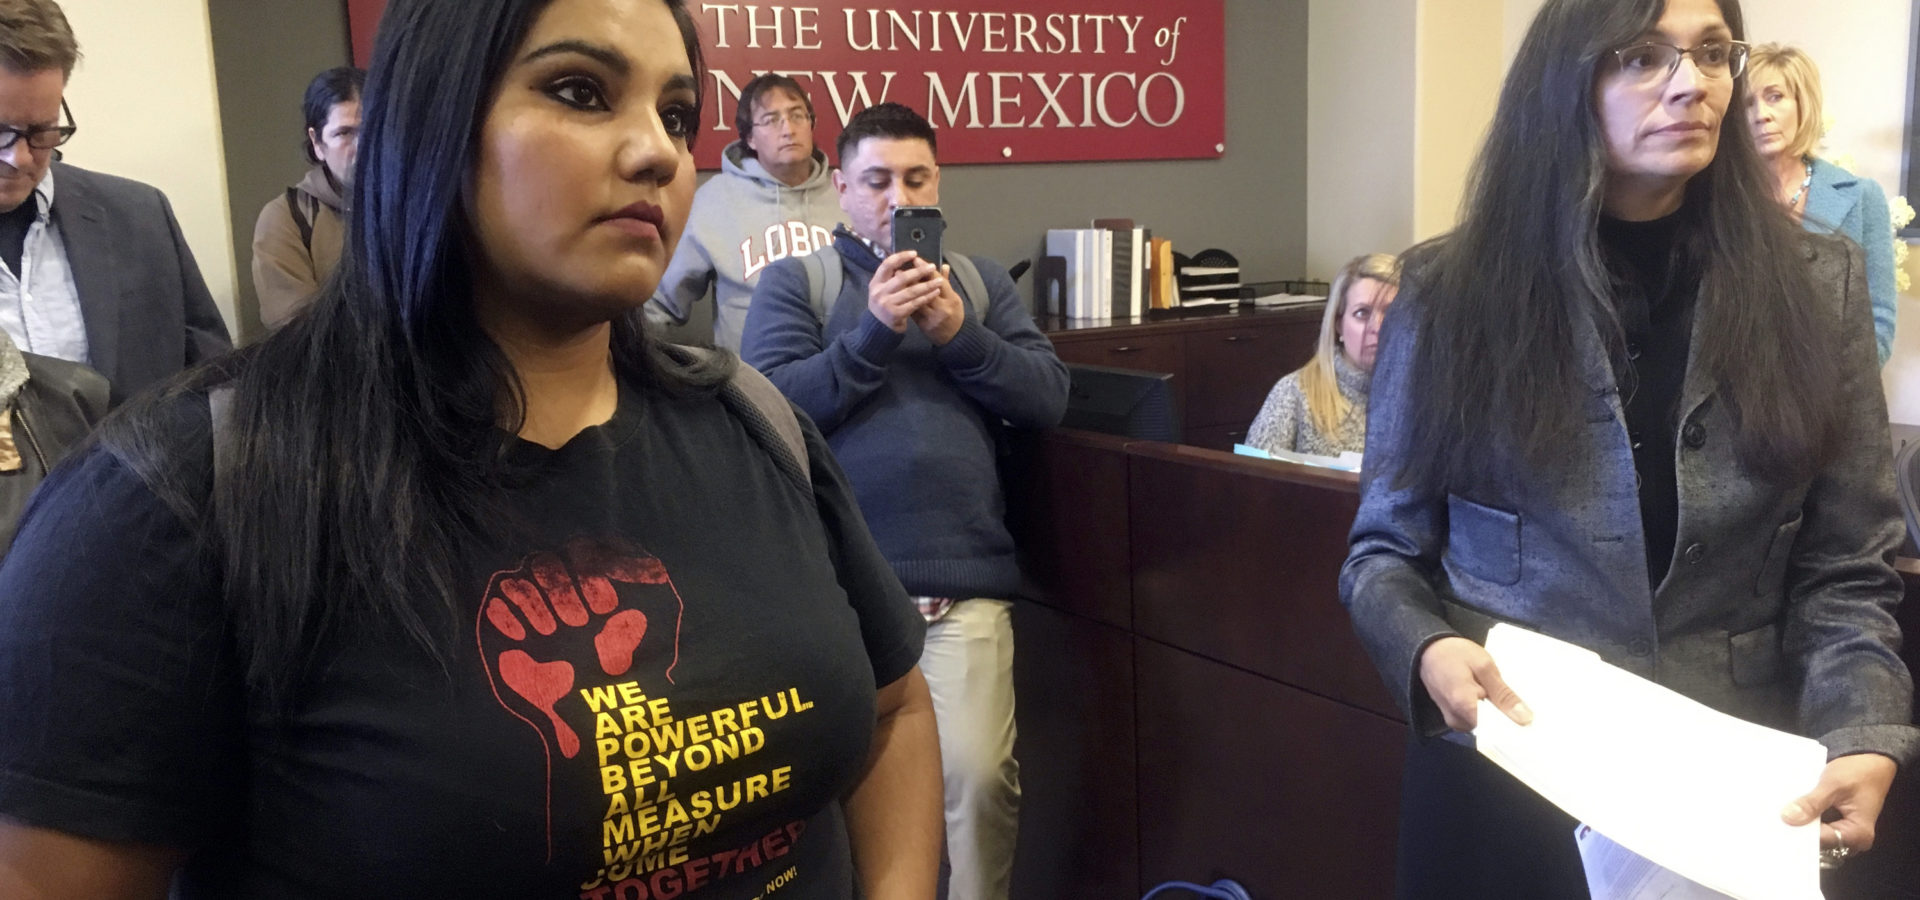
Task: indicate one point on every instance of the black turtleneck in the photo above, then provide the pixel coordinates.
(1654, 292)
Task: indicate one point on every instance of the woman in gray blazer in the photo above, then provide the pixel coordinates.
(1629, 404)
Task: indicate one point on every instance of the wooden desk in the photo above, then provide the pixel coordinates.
(1193, 703)
(1224, 360)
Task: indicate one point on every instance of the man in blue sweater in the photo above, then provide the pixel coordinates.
(911, 381)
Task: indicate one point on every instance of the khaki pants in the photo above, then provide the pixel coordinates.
(968, 664)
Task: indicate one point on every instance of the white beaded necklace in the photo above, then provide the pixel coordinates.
(1794, 200)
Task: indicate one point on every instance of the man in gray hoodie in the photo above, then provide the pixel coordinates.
(773, 200)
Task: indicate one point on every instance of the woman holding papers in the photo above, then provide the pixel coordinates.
(1629, 404)
(1322, 408)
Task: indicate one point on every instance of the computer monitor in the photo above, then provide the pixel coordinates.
(1126, 402)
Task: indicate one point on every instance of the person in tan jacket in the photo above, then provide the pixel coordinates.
(297, 241)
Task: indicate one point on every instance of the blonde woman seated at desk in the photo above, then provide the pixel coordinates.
(1322, 408)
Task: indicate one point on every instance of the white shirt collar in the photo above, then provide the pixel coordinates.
(875, 248)
(44, 190)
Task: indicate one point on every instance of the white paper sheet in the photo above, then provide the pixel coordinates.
(1616, 873)
(1279, 300)
(1691, 789)
(1348, 461)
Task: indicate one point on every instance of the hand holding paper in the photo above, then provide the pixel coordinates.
(1854, 786)
(1693, 790)
(1459, 675)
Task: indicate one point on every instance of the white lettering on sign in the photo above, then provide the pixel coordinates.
(1024, 79)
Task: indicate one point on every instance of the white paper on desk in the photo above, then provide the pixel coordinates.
(1346, 462)
(1691, 789)
(1271, 300)
(1616, 873)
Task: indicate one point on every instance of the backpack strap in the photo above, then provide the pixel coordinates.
(769, 416)
(300, 219)
(763, 409)
(825, 278)
(971, 284)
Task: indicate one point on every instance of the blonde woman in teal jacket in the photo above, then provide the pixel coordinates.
(1784, 107)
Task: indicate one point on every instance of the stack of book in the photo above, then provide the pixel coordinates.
(1113, 270)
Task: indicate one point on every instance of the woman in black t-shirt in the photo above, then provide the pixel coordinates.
(483, 593)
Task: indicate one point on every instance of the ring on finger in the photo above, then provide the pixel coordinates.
(1832, 857)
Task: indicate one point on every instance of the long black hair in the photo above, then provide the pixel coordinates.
(365, 450)
(1500, 299)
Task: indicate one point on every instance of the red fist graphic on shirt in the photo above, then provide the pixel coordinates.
(545, 626)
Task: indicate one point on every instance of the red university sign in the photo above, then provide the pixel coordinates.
(362, 18)
(1047, 81)
(1003, 80)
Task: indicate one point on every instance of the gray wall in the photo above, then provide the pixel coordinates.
(1251, 202)
(1362, 95)
(264, 53)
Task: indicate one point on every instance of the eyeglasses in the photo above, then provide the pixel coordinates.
(41, 137)
(1651, 63)
(795, 117)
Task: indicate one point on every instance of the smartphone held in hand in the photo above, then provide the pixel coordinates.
(920, 229)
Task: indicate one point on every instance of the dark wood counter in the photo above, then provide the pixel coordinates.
(1231, 564)
(1192, 703)
(1224, 359)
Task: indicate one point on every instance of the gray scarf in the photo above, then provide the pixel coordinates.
(13, 370)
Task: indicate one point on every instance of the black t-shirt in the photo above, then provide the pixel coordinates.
(665, 690)
(1655, 300)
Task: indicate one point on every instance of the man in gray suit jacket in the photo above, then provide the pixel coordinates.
(93, 268)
